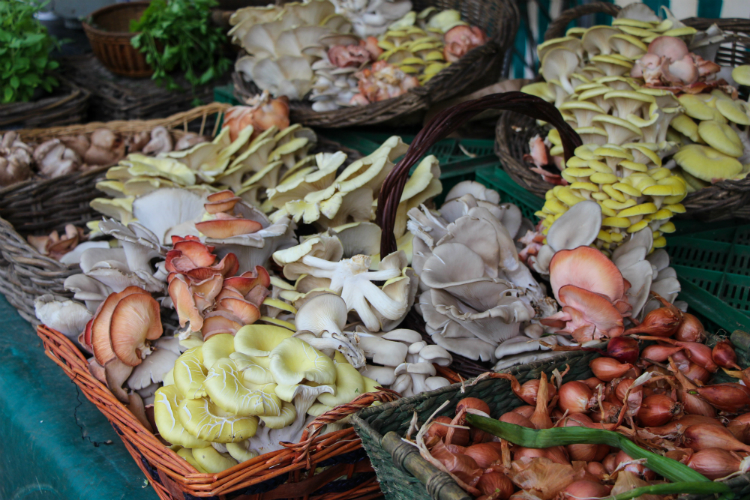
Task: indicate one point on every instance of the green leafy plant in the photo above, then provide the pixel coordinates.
(25, 46)
(178, 35)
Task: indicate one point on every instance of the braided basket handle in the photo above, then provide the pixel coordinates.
(443, 124)
(556, 28)
(334, 415)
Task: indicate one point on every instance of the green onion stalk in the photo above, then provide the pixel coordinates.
(683, 478)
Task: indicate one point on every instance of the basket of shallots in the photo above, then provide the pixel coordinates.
(661, 410)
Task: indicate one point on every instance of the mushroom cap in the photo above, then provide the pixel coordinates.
(205, 420)
(153, 369)
(741, 74)
(696, 107)
(135, 319)
(349, 385)
(586, 268)
(259, 340)
(734, 111)
(293, 361)
(255, 369)
(595, 40)
(578, 226)
(217, 347)
(100, 328)
(189, 374)
(594, 308)
(326, 312)
(559, 64)
(166, 404)
(228, 389)
(706, 163)
(686, 126)
(721, 137)
(287, 415)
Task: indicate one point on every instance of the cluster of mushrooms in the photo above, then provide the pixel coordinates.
(345, 53)
(631, 91)
(65, 155)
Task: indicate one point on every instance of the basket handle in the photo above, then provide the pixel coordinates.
(556, 28)
(445, 123)
(334, 415)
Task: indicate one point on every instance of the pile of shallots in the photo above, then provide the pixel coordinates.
(651, 385)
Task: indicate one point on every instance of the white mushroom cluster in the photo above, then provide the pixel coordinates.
(15, 159)
(282, 43)
(372, 17)
(248, 167)
(476, 293)
(320, 196)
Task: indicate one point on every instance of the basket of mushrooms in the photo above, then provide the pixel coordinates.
(344, 63)
(648, 94)
(49, 177)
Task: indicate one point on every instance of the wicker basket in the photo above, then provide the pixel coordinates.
(442, 125)
(479, 67)
(66, 105)
(288, 473)
(119, 98)
(405, 475)
(110, 39)
(722, 200)
(39, 207)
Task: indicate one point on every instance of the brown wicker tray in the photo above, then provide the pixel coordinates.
(116, 97)
(66, 105)
(41, 206)
(480, 67)
(289, 473)
(722, 200)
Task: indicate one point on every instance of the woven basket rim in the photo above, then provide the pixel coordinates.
(304, 455)
(110, 8)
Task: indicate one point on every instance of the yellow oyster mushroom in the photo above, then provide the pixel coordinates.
(614, 193)
(349, 385)
(721, 137)
(227, 389)
(293, 361)
(254, 369)
(668, 227)
(638, 226)
(259, 340)
(189, 374)
(212, 461)
(642, 209)
(586, 186)
(616, 205)
(734, 111)
(621, 222)
(286, 416)
(706, 163)
(187, 454)
(599, 166)
(601, 178)
(217, 347)
(206, 420)
(241, 451)
(166, 404)
(278, 322)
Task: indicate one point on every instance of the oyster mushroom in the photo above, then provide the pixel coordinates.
(54, 159)
(161, 141)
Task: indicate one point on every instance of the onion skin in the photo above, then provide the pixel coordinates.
(659, 353)
(623, 349)
(729, 397)
(656, 410)
(596, 469)
(437, 430)
(594, 382)
(690, 330)
(610, 463)
(529, 389)
(740, 427)
(581, 452)
(701, 437)
(696, 373)
(495, 484)
(474, 403)
(700, 354)
(622, 389)
(684, 422)
(484, 454)
(715, 463)
(575, 397)
(610, 414)
(585, 490)
(723, 355)
(525, 411)
(514, 418)
(608, 369)
(662, 322)
(638, 469)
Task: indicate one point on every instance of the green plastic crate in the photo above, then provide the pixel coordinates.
(225, 93)
(713, 267)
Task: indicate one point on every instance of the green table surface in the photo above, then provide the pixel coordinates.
(54, 444)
